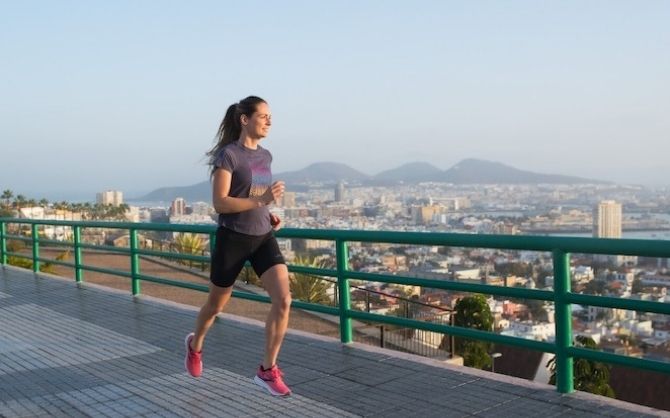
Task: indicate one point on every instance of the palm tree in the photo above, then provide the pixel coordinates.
(76, 208)
(19, 201)
(7, 196)
(589, 376)
(119, 212)
(187, 243)
(97, 211)
(86, 210)
(31, 203)
(44, 202)
(307, 287)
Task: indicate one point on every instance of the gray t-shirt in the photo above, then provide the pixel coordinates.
(251, 178)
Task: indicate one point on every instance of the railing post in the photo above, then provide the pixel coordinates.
(343, 290)
(3, 244)
(381, 336)
(212, 243)
(36, 248)
(564, 362)
(134, 263)
(78, 272)
(452, 339)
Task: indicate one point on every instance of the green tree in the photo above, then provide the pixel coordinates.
(192, 244)
(595, 287)
(588, 376)
(536, 309)
(308, 287)
(515, 269)
(473, 312)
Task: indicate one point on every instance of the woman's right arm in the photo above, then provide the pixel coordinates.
(227, 204)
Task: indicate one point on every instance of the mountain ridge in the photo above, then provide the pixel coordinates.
(467, 171)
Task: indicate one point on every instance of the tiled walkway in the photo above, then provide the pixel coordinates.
(85, 351)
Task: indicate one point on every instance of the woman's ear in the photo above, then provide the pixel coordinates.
(244, 120)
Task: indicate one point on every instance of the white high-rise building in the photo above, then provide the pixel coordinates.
(607, 220)
(110, 197)
(339, 192)
(178, 207)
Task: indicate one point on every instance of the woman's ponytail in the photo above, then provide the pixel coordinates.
(231, 127)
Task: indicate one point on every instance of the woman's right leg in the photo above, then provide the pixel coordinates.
(216, 301)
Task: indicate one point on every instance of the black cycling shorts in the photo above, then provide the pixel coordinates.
(232, 249)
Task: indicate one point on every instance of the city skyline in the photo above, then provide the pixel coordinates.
(128, 96)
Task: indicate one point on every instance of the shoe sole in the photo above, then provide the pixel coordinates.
(262, 383)
(186, 347)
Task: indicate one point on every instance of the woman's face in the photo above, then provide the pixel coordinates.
(258, 125)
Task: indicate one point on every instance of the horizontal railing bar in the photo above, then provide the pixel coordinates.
(140, 226)
(167, 254)
(621, 303)
(251, 296)
(588, 354)
(176, 283)
(453, 285)
(312, 271)
(44, 241)
(106, 271)
(58, 262)
(315, 307)
(244, 295)
(108, 248)
(18, 237)
(641, 247)
(453, 330)
(296, 303)
(19, 255)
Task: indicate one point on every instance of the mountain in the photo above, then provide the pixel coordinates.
(411, 173)
(473, 171)
(469, 171)
(323, 173)
(195, 193)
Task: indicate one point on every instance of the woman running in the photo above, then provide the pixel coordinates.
(242, 191)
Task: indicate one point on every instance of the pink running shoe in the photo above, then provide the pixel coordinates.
(193, 360)
(271, 380)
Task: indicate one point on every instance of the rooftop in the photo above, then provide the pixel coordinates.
(84, 350)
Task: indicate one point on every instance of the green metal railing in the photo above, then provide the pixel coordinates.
(561, 296)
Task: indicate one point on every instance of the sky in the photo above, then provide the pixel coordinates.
(128, 95)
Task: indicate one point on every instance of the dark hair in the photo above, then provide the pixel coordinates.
(231, 128)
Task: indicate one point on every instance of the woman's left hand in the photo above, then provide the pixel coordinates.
(275, 222)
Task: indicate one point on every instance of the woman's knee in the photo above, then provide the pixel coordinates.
(215, 303)
(211, 309)
(283, 303)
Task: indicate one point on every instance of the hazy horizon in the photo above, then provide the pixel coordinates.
(138, 194)
(129, 95)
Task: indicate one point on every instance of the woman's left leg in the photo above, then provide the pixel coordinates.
(276, 283)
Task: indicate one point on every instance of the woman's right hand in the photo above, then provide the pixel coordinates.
(273, 193)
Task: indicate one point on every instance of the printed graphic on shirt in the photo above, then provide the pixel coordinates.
(261, 178)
